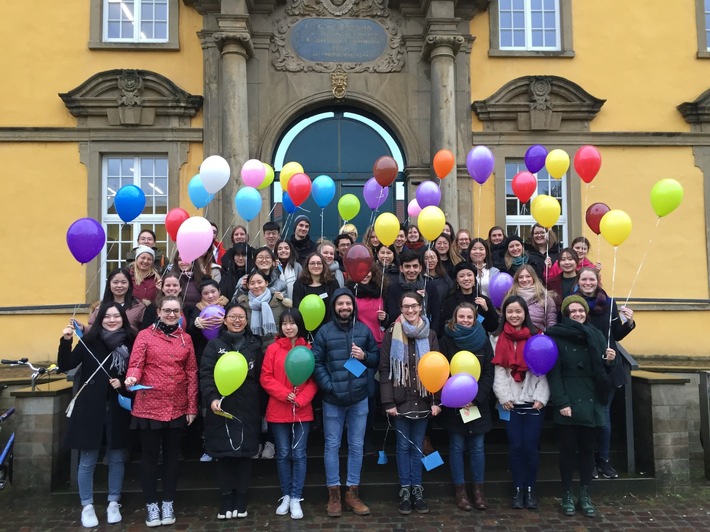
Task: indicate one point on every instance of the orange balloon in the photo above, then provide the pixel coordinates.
(444, 162)
(433, 371)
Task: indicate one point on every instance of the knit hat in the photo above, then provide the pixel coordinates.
(574, 299)
(301, 218)
(513, 238)
(463, 266)
(144, 249)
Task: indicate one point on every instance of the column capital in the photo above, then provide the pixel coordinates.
(234, 42)
(451, 45)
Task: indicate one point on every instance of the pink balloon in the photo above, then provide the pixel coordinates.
(253, 173)
(413, 208)
(194, 238)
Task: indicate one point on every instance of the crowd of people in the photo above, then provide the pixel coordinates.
(147, 343)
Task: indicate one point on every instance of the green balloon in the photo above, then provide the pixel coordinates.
(230, 372)
(299, 364)
(312, 309)
(666, 195)
(348, 206)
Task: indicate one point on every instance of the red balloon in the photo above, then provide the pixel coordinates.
(587, 162)
(173, 221)
(299, 188)
(524, 185)
(385, 170)
(358, 262)
(594, 215)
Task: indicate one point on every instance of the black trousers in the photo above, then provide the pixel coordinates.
(576, 452)
(233, 474)
(151, 441)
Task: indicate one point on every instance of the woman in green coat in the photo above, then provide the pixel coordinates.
(579, 388)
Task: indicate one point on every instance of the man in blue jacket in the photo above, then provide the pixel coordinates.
(344, 396)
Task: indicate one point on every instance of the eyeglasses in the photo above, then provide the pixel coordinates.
(413, 306)
(169, 311)
(236, 317)
(263, 259)
(315, 264)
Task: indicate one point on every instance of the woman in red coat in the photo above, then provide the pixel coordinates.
(289, 411)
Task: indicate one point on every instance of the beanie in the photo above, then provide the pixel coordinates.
(464, 266)
(574, 299)
(144, 249)
(301, 218)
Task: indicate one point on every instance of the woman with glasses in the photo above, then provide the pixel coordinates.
(462, 242)
(169, 286)
(316, 279)
(543, 245)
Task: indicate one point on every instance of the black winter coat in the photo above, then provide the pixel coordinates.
(303, 248)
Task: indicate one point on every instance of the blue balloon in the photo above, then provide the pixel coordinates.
(323, 190)
(129, 202)
(289, 206)
(197, 192)
(248, 202)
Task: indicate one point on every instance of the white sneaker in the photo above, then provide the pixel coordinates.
(205, 458)
(152, 517)
(168, 513)
(241, 515)
(284, 506)
(88, 517)
(269, 451)
(296, 511)
(113, 514)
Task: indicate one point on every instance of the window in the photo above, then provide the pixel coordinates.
(143, 24)
(518, 218)
(702, 15)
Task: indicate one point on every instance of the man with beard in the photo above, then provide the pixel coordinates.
(301, 240)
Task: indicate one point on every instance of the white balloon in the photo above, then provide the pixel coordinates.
(215, 173)
(194, 238)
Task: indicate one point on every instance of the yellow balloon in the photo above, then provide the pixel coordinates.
(546, 210)
(387, 228)
(557, 163)
(433, 371)
(466, 362)
(348, 206)
(268, 177)
(615, 227)
(534, 201)
(431, 222)
(288, 170)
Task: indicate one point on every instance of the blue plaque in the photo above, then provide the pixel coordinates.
(343, 40)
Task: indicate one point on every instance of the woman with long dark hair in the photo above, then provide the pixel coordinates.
(541, 303)
(263, 307)
(290, 268)
(479, 255)
(316, 278)
(119, 288)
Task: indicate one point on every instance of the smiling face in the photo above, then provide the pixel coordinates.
(567, 263)
(112, 320)
(328, 253)
(588, 283)
(466, 280)
(539, 236)
(465, 317)
(210, 294)
(515, 249)
(239, 235)
(385, 255)
(412, 234)
(478, 253)
(146, 239)
(374, 241)
(257, 285)
(315, 266)
(411, 270)
(235, 320)
(525, 280)
(289, 328)
(497, 236)
(411, 310)
(430, 260)
(119, 286)
(171, 286)
(240, 260)
(577, 313)
(581, 249)
(343, 246)
(283, 250)
(515, 315)
(144, 262)
(302, 229)
(401, 239)
(264, 261)
(170, 312)
(343, 308)
(271, 237)
(441, 245)
(463, 241)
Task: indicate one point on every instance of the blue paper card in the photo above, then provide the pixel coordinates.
(137, 387)
(77, 329)
(125, 402)
(480, 318)
(503, 414)
(432, 460)
(354, 366)
(382, 458)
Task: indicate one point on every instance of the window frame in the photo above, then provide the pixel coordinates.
(703, 32)
(97, 30)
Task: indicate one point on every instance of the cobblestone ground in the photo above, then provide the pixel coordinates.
(688, 510)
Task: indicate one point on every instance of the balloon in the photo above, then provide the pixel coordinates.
(480, 163)
(387, 228)
(385, 170)
(129, 202)
(85, 239)
(587, 162)
(358, 262)
(666, 195)
(173, 221)
(459, 390)
(413, 209)
(374, 194)
(466, 362)
(312, 309)
(230, 372)
(540, 354)
(299, 364)
(428, 193)
(248, 203)
(288, 170)
(348, 206)
(215, 173)
(253, 173)
(498, 286)
(594, 215)
(268, 177)
(299, 188)
(615, 227)
(431, 222)
(198, 195)
(194, 238)
(535, 158)
(444, 162)
(288, 205)
(546, 210)
(323, 190)
(524, 186)
(212, 311)
(557, 163)
(433, 370)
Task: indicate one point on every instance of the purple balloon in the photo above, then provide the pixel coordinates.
(540, 353)
(85, 238)
(498, 287)
(212, 311)
(480, 163)
(535, 158)
(428, 194)
(375, 194)
(459, 390)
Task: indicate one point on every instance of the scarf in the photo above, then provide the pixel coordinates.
(407, 286)
(597, 303)
(116, 342)
(364, 291)
(222, 302)
(469, 338)
(399, 352)
(509, 351)
(519, 261)
(262, 317)
(167, 329)
(235, 339)
(528, 294)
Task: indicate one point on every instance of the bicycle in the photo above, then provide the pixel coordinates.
(37, 371)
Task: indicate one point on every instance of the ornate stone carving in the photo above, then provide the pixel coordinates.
(540, 88)
(241, 38)
(130, 84)
(339, 82)
(338, 8)
(455, 42)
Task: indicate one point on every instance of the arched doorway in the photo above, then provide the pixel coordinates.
(342, 143)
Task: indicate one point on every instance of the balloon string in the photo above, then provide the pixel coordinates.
(425, 279)
(268, 217)
(94, 278)
(599, 251)
(402, 434)
(586, 195)
(382, 286)
(611, 298)
(478, 228)
(643, 259)
(321, 224)
(547, 254)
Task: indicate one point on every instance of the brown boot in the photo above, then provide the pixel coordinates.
(479, 501)
(335, 507)
(461, 498)
(352, 501)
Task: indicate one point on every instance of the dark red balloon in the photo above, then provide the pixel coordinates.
(385, 170)
(594, 215)
(524, 185)
(358, 262)
(173, 221)
(587, 162)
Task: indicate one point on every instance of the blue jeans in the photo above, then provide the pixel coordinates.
(604, 433)
(334, 420)
(410, 440)
(473, 445)
(85, 475)
(291, 440)
(524, 429)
